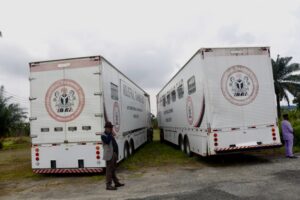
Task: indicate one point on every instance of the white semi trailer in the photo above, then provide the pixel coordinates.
(221, 101)
(70, 101)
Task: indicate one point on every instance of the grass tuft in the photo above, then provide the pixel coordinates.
(158, 155)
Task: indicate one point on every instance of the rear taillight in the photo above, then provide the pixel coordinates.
(37, 155)
(97, 152)
(274, 134)
(216, 139)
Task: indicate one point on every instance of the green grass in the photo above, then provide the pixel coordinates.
(15, 159)
(156, 135)
(15, 143)
(158, 155)
(15, 164)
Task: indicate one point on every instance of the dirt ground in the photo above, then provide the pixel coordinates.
(241, 176)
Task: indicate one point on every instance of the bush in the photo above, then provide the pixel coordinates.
(1, 145)
(297, 136)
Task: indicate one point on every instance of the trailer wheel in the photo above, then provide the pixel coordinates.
(162, 139)
(131, 148)
(149, 135)
(126, 151)
(188, 148)
(181, 144)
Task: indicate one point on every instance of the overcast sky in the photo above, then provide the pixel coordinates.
(147, 40)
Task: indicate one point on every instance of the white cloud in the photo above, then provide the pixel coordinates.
(147, 40)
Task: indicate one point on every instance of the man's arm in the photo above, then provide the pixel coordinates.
(106, 138)
(289, 127)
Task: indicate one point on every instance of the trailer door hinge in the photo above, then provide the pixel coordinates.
(98, 115)
(32, 118)
(97, 73)
(98, 93)
(32, 98)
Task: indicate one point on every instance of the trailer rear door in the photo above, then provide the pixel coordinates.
(239, 87)
(66, 99)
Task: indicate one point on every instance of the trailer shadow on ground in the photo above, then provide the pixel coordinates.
(157, 154)
(239, 159)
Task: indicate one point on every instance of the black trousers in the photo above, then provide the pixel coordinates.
(111, 166)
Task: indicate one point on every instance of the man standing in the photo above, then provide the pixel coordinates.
(288, 136)
(110, 155)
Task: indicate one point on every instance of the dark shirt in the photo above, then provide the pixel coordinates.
(109, 137)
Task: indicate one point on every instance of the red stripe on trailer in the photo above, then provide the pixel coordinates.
(66, 171)
(247, 147)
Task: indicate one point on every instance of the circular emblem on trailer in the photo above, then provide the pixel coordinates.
(64, 100)
(189, 110)
(116, 116)
(239, 85)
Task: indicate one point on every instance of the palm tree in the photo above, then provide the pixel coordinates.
(285, 79)
(11, 115)
(297, 100)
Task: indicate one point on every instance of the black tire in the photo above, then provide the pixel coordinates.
(162, 140)
(131, 148)
(187, 147)
(149, 135)
(126, 151)
(181, 144)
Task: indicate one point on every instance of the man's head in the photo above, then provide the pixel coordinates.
(285, 116)
(108, 127)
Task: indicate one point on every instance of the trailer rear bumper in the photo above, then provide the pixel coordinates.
(68, 171)
(247, 148)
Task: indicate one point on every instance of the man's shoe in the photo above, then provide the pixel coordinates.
(119, 185)
(111, 188)
(293, 157)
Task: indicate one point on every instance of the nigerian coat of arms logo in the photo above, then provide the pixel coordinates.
(64, 100)
(239, 85)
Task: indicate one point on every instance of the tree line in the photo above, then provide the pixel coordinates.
(12, 117)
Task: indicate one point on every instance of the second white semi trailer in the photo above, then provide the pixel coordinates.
(70, 101)
(221, 101)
